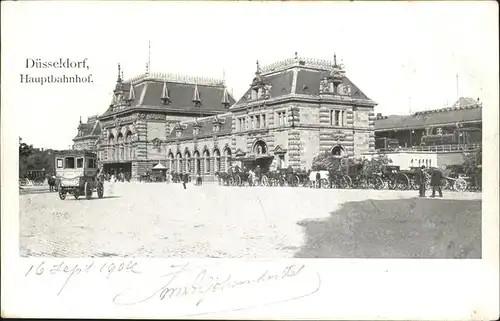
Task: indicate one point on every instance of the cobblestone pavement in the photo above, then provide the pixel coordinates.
(164, 220)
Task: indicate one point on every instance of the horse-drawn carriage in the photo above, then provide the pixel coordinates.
(76, 174)
(455, 178)
(394, 178)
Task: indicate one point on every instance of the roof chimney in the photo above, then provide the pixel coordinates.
(225, 98)
(196, 96)
(165, 98)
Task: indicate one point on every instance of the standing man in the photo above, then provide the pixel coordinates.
(318, 180)
(436, 181)
(184, 180)
(420, 180)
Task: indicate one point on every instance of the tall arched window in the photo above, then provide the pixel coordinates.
(227, 158)
(197, 162)
(187, 159)
(120, 151)
(206, 156)
(179, 163)
(216, 160)
(128, 145)
(260, 147)
(338, 151)
(171, 162)
(111, 147)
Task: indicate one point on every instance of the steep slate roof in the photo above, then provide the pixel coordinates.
(310, 73)
(311, 79)
(206, 128)
(91, 128)
(148, 91)
(445, 116)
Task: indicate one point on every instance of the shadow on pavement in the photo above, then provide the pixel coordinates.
(403, 228)
(34, 191)
(94, 198)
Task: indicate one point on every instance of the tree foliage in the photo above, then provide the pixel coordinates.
(472, 162)
(335, 165)
(375, 165)
(25, 150)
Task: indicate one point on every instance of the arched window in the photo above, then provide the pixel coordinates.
(216, 160)
(206, 156)
(178, 168)
(187, 158)
(227, 158)
(171, 162)
(111, 147)
(128, 146)
(119, 151)
(260, 147)
(197, 162)
(338, 151)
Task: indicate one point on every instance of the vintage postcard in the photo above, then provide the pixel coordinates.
(269, 160)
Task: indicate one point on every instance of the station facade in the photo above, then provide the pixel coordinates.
(292, 111)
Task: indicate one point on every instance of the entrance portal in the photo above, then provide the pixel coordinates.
(338, 151)
(115, 168)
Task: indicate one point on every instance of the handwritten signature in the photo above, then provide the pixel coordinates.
(204, 282)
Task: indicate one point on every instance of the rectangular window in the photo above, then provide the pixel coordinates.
(79, 163)
(337, 118)
(264, 125)
(60, 163)
(257, 120)
(90, 163)
(331, 118)
(69, 162)
(341, 118)
(285, 120)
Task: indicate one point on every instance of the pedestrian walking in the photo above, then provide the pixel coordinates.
(318, 180)
(184, 180)
(420, 180)
(436, 182)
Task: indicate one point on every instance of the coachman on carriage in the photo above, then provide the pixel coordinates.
(77, 174)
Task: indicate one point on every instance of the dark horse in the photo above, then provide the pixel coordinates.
(52, 183)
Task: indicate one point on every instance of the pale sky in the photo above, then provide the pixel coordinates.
(391, 51)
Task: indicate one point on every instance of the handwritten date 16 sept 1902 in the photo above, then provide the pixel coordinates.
(72, 270)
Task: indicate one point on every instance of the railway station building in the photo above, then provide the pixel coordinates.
(432, 138)
(292, 111)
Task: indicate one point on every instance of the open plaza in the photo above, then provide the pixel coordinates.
(212, 221)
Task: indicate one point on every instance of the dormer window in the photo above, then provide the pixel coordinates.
(440, 131)
(196, 131)
(216, 128)
(255, 94)
(178, 133)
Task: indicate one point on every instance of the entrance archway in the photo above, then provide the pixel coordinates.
(338, 151)
(259, 147)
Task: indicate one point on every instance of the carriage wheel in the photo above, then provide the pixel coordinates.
(76, 193)
(62, 194)
(88, 191)
(363, 183)
(100, 189)
(379, 183)
(403, 182)
(264, 180)
(345, 182)
(294, 181)
(460, 185)
(237, 180)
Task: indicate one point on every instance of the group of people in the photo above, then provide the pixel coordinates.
(436, 181)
